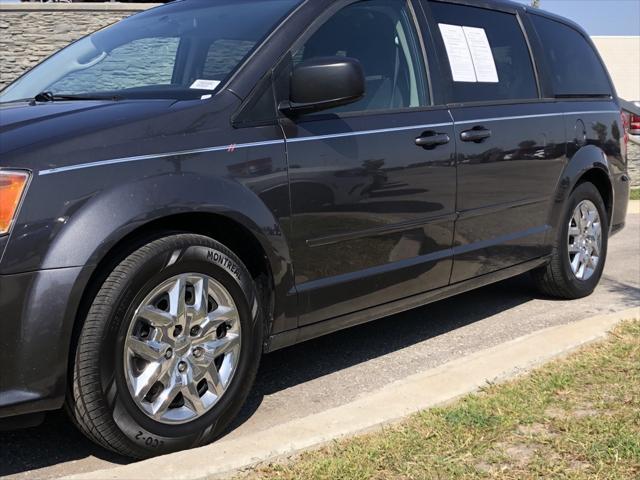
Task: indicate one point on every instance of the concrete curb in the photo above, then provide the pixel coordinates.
(390, 404)
(634, 207)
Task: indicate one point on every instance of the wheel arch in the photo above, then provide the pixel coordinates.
(589, 164)
(230, 232)
(115, 223)
(599, 178)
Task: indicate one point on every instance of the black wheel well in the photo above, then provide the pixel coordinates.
(600, 180)
(219, 227)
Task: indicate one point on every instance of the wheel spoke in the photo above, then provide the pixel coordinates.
(584, 261)
(584, 213)
(209, 328)
(588, 269)
(155, 316)
(227, 314)
(201, 301)
(575, 263)
(202, 365)
(213, 320)
(146, 380)
(173, 384)
(147, 350)
(192, 397)
(225, 344)
(177, 302)
(597, 238)
(213, 381)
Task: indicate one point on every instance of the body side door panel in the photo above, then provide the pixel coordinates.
(506, 185)
(372, 212)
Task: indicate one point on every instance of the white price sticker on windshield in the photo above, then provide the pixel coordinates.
(205, 85)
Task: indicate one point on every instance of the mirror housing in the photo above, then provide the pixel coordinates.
(322, 83)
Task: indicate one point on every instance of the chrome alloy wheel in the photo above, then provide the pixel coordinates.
(182, 348)
(585, 240)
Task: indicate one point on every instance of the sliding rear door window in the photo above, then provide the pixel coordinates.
(486, 54)
(576, 70)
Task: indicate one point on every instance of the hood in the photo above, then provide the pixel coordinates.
(26, 128)
(63, 133)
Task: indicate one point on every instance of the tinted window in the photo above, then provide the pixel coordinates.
(380, 34)
(515, 76)
(575, 67)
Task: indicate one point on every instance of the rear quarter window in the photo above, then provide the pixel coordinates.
(575, 68)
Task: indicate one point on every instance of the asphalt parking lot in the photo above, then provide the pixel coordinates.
(337, 369)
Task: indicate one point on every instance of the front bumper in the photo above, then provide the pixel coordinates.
(37, 312)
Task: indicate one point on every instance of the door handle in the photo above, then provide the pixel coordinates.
(432, 139)
(476, 134)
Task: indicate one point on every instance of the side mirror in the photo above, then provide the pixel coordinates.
(322, 83)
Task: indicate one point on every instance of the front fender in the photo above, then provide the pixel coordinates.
(110, 215)
(79, 229)
(41, 305)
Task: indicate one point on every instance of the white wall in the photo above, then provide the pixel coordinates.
(622, 57)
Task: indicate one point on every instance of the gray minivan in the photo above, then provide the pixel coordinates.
(209, 181)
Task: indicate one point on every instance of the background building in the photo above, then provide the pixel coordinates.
(622, 56)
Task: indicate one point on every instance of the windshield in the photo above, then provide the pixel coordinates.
(185, 49)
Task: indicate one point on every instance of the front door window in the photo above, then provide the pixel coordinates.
(380, 35)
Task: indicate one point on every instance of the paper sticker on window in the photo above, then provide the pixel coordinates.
(205, 84)
(469, 53)
(481, 54)
(460, 60)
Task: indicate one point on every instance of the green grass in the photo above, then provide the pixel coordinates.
(576, 418)
(635, 194)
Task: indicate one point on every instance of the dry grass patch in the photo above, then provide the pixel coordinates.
(576, 418)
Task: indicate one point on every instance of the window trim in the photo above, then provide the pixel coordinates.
(532, 57)
(445, 83)
(256, 52)
(425, 56)
(315, 26)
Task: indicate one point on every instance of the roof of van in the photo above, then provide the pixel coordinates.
(518, 6)
(494, 3)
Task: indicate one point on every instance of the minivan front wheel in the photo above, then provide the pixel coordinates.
(169, 349)
(580, 247)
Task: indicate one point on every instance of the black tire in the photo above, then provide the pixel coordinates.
(100, 401)
(557, 279)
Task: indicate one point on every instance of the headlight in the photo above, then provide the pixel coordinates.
(12, 186)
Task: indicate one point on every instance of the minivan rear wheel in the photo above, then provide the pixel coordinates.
(169, 349)
(580, 247)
